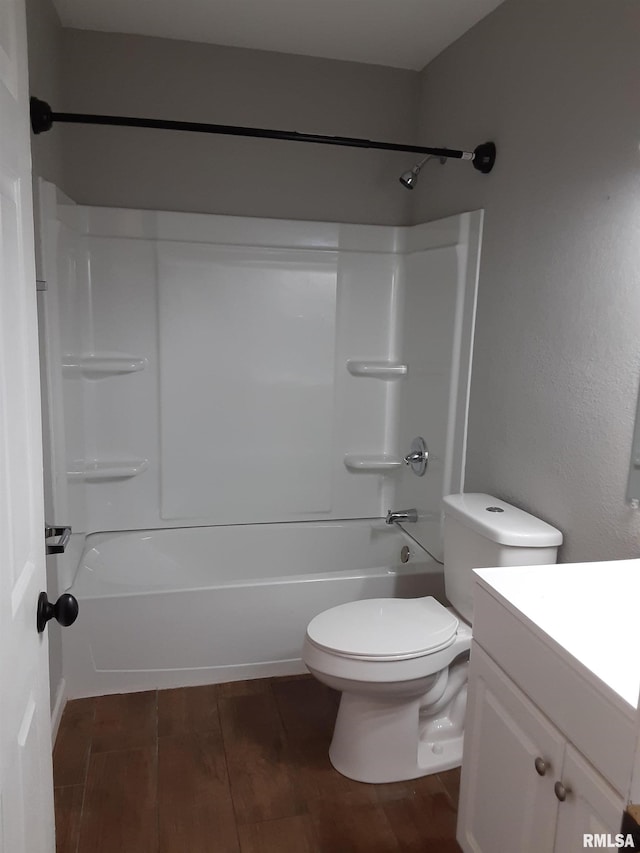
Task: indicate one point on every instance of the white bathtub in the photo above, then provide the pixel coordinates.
(169, 608)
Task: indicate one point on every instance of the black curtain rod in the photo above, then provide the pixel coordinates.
(43, 118)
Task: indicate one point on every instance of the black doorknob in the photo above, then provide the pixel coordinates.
(65, 610)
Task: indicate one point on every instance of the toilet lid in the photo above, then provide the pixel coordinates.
(384, 628)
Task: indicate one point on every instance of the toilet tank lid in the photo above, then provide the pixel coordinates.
(501, 522)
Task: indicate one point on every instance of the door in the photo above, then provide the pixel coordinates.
(26, 795)
(507, 800)
(589, 805)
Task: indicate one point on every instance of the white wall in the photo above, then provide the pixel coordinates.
(557, 355)
(243, 409)
(61, 309)
(440, 278)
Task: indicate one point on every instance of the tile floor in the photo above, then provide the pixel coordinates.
(231, 768)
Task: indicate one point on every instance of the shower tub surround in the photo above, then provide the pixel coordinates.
(214, 380)
(204, 605)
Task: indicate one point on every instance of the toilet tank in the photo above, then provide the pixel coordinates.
(481, 531)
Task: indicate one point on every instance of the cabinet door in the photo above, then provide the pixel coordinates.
(505, 805)
(591, 805)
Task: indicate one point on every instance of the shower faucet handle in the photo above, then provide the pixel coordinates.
(418, 456)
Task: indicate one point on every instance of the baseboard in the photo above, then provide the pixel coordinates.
(58, 708)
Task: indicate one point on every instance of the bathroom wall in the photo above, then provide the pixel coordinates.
(161, 78)
(44, 33)
(557, 353)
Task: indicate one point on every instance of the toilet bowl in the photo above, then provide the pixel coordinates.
(401, 664)
(393, 660)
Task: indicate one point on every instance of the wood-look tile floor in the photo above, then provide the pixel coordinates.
(231, 768)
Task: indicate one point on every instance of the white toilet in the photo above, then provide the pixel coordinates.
(401, 664)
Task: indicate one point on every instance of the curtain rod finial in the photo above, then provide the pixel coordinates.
(484, 157)
(41, 115)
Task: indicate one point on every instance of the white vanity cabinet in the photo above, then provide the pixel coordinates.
(548, 749)
(514, 758)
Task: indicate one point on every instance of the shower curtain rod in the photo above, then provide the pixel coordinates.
(43, 118)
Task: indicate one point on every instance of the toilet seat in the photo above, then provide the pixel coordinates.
(384, 629)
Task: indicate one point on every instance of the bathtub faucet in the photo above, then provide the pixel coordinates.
(401, 515)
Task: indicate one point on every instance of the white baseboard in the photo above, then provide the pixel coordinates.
(58, 708)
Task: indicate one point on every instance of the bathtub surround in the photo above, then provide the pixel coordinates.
(218, 373)
(59, 319)
(181, 410)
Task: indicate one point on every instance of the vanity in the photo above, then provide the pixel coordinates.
(551, 715)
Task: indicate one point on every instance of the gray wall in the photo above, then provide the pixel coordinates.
(557, 350)
(44, 34)
(160, 78)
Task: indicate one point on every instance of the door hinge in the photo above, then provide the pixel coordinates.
(41, 284)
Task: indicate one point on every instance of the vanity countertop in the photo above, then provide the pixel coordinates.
(590, 610)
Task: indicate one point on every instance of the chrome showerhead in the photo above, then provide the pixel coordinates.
(410, 179)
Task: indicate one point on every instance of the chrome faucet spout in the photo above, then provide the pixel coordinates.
(395, 516)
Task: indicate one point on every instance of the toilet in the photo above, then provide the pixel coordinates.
(402, 664)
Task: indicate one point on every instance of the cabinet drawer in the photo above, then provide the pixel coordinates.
(562, 690)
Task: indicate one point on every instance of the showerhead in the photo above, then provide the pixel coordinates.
(410, 179)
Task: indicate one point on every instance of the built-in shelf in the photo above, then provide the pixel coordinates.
(377, 369)
(95, 470)
(377, 464)
(98, 365)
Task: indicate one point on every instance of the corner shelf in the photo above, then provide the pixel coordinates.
(97, 470)
(372, 463)
(97, 365)
(377, 369)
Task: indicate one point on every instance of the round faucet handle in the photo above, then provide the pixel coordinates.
(418, 456)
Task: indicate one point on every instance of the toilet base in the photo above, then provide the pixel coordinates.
(376, 740)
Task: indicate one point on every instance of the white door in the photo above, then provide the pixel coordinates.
(591, 806)
(506, 804)
(26, 795)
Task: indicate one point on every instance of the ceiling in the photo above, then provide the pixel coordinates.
(397, 33)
